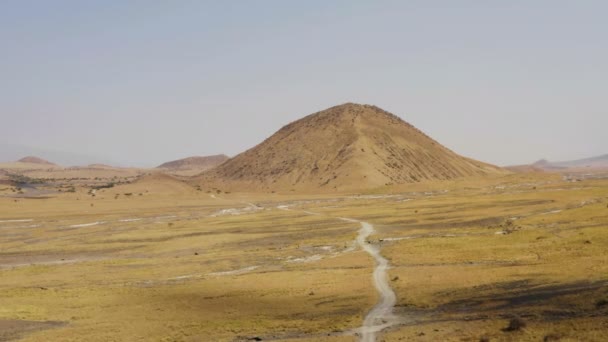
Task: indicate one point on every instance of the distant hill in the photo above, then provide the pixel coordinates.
(194, 163)
(35, 167)
(35, 160)
(347, 147)
(10, 152)
(543, 165)
(599, 162)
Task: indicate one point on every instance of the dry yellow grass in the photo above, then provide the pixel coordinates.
(178, 264)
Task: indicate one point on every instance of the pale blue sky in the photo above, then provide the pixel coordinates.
(142, 82)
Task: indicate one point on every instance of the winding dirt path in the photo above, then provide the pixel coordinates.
(381, 316)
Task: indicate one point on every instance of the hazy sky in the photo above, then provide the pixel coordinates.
(143, 82)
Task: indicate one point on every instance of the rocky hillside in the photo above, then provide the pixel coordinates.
(346, 147)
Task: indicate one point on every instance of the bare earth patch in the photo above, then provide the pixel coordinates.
(14, 329)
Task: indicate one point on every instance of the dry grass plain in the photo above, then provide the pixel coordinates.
(177, 264)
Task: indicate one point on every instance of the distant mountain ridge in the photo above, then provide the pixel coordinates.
(346, 147)
(9, 152)
(196, 162)
(544, 165)
(590, 163)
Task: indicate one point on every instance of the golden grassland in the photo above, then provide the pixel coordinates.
(177, 264)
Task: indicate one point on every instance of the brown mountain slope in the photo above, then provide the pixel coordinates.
(200, 163)
(35, 160)
(346, 147)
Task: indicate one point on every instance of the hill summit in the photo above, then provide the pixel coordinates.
(346, 147)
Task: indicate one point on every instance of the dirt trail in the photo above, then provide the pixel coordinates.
(381, 316)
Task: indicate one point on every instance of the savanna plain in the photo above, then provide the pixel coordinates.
(516, 257)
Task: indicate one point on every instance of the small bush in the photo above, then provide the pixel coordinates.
(106, 186)
(515, 324)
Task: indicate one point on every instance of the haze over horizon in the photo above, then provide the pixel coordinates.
(139, 85)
